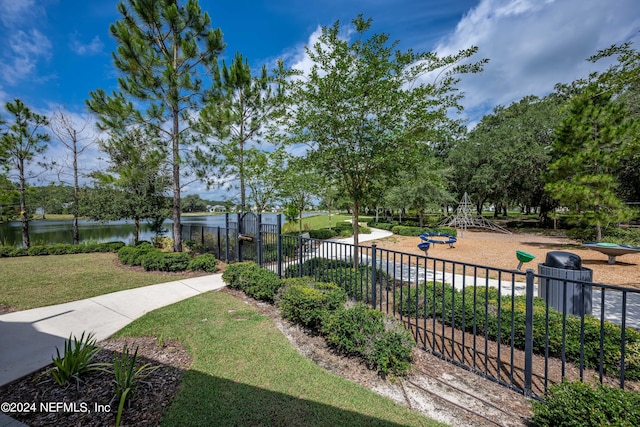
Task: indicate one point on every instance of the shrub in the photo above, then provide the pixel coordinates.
(254, 280)
(377, 338)
(38, 250)
(262, 284)
(132, 255)
(456, 308)
(323, 233)
(233, 274)
(313, 265)
(163, 243)
(306, 302)
(164, 261)
(579, 404)
(416, 231)
(204, 262)
(76, 359)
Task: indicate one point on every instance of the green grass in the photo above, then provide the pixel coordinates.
(317, 222)
(38, 281)
(245, 372)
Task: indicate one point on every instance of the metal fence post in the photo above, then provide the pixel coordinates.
(374, 285)
(226, 239)
(300, 254)
(239, 231)
(219, 244)
(528, 335)
(259, 242)
(279, 244)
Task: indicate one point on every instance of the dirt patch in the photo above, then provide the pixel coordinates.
(499, 250)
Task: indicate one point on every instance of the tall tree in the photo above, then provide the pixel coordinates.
(239, 106)
(23, 139)
(299, 186)
(76, 140)
(365, 103)
(587, 149)
(266, 170)
(137, 169)
(164, 46)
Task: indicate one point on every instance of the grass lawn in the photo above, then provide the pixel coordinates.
(317, 222)
(245, 372)
(37, 281)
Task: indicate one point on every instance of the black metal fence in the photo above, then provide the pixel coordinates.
(484, 319)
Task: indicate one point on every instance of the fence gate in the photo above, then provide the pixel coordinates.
(248, 247)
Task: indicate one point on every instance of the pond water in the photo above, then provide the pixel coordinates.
(59, 231)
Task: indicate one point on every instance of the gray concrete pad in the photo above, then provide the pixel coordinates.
(30, 337)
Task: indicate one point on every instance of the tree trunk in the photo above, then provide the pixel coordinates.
(76, 187)
(23, 207)
(136, 232)
(421, 217)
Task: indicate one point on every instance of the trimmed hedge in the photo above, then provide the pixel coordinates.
(447, 305)
(204, 262)
(379, 339)
(132, 255)
(416, 231)
(579, 404)
(323, 233)
(156, 260)
(307, 302)
(60, 249)
(255, 281)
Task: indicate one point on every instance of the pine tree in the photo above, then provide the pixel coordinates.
(587, 149)
(163, 49)
(20, 143)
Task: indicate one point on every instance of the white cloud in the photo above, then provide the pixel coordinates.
(18, 11)
(25, 50)
(93, 47)
(533, 45)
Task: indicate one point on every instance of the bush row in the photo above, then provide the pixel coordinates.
(60, 249)
(579, 404)
(152, 259)
(416, 231)
(381, 342)
(457, 308)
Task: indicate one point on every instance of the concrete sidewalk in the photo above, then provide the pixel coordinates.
(29, 338)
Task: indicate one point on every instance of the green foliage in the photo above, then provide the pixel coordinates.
(581, 405)
(323, 233)
(377, 338)
(61, 249)
(588, 147)
(132, 255)
(154, 260)
(204, 262)
(313, 265)
(416, 231)
(76, 360)
(306, 302)
(255, 281)
(127, 374)
(456, 308)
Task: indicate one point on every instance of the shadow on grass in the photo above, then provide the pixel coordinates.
(210, 400)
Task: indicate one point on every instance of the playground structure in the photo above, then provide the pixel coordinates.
(522, 258)
(612, 250)
(463, 218)
(428, 240)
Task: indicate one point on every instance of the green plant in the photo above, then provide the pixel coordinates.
(579, 404)
(233, 273)
(155, 260)
(78, 354)
(204, 262)
(127, 373)
(306, 302)
(377, 338)
(132, 255)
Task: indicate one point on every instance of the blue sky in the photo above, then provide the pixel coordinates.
(55, 51)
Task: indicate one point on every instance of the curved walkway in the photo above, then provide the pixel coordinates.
(30, 337)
